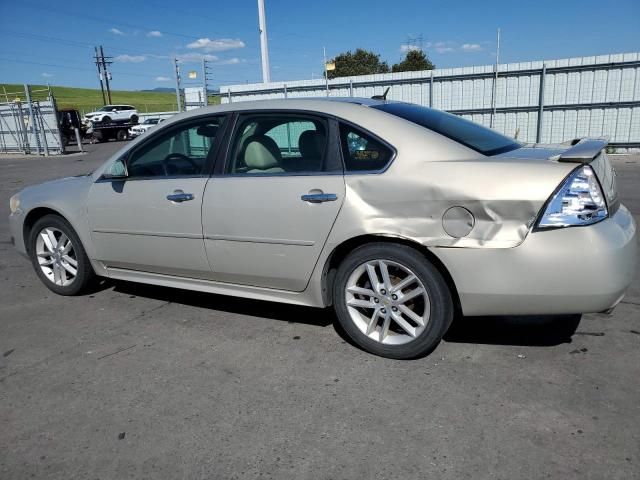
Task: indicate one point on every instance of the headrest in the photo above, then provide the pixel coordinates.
(311, 144)
(261, 152)
(209, 131)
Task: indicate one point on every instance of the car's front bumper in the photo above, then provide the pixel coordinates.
(568, 270)
(16, 222)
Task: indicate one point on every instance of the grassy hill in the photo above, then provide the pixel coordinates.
(87, 99)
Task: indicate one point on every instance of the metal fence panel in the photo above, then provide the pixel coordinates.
(29, 130)
(582, 96)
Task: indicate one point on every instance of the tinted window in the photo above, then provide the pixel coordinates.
(280, 144)
(469, 134)
(180, 151)
(361, 151)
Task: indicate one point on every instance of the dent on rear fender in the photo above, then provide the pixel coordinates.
(497, 224)
(412, 208)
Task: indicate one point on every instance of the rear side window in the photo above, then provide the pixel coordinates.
(470, 134)
(281, 145)
(362, 152)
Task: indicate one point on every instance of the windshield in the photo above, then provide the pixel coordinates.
(106, 108)
(151, 121)
(470, 134)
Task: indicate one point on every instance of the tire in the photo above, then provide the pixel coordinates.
(134, 119)
(382, 323)
(121, 135)
(62, 263)
(106, 119)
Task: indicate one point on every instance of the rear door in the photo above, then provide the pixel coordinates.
(268, 212)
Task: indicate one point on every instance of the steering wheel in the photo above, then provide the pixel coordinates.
(177, 156)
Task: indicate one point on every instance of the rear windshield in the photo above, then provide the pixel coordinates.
(469, 134)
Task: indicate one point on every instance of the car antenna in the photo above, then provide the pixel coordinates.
(383, 96)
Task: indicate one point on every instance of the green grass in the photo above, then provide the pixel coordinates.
(87, 99)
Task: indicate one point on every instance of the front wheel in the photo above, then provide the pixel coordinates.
(58, 256)
(391, 301)
(106, 119)
(134, 119)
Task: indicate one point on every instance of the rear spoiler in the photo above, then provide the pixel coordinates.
(583, 151)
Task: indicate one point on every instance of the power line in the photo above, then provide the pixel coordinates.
(69, 67)
(103, 20)
(71, 43)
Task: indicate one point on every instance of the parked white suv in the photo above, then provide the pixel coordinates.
(113, 113)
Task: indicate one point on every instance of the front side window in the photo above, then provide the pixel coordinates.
(362, 152)
(182, 151)
(280, 144)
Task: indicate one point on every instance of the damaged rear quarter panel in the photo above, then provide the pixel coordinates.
(410, 198)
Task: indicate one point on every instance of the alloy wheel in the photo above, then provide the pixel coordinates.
(387, 302)
(56, 256)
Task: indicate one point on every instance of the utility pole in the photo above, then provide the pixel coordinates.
(326, 73)
(495, 83)
(264, 47)
(205, 87)
(177, 73)
(107, 75)
(104, 100)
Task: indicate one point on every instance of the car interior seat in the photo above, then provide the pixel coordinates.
(262, 155)
(311, 144)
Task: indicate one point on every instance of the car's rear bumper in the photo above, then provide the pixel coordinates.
(569, 270)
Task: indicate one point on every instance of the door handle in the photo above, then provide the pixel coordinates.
(179, 196)
(319, 197)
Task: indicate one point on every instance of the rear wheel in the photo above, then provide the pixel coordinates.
(121, 135)
(134, 118)
(58, 256)
(391, 301)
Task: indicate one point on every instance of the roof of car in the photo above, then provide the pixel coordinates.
(331, 105)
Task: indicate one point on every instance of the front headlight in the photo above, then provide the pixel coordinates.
(14, 203)
(579, 201)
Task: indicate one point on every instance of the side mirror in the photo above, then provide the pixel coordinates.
(118, 170)
(114, 110)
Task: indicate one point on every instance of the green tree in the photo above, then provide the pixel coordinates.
(360, 62)
(415, 61)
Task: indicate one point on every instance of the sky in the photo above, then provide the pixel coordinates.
(52, 42)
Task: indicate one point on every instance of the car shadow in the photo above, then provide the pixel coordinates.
(525, 330)
(539, 330)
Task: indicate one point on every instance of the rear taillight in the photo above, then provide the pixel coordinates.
(578, 201)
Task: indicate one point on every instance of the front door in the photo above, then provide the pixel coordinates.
(267, 216)
(151, 221)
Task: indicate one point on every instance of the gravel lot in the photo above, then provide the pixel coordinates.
(134, 381)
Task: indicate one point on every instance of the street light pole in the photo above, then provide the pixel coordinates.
(264, 47)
